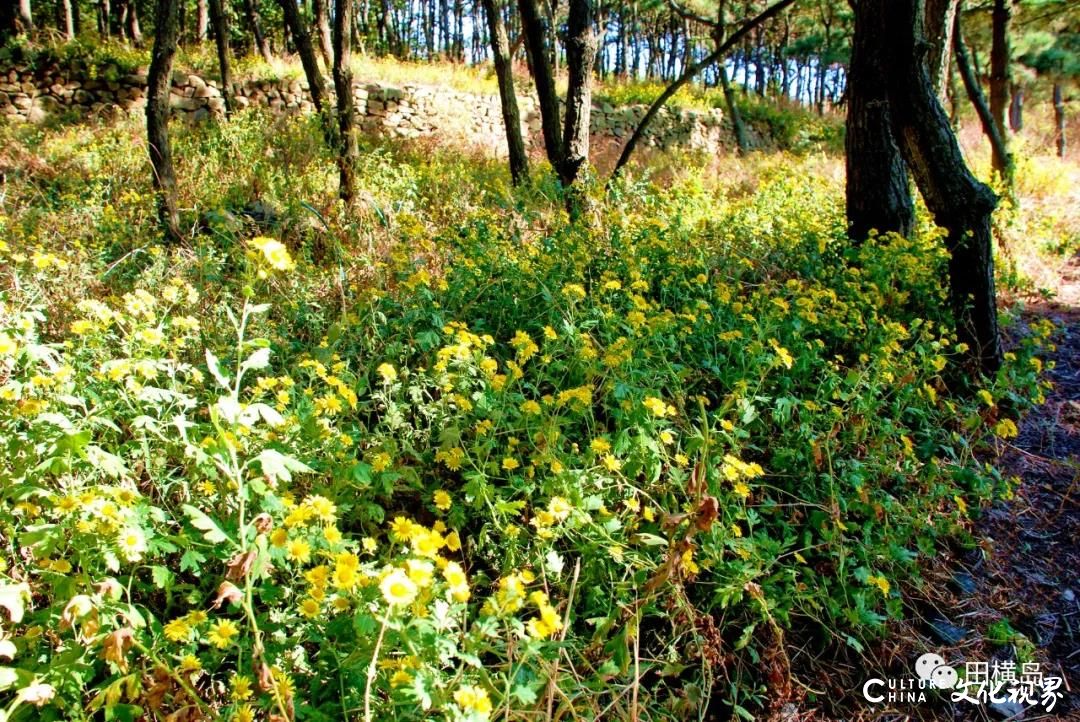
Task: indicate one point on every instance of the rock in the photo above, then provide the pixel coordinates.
(261, 213)
(1007, 710)
(946, 631)
(1068, 595)
(964, 583)
(195, 81)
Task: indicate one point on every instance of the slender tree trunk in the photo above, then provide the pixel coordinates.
(1000, 79)
(1059, 118)
(26, 18)
(103, 19)
(998, 146)
(959, 202)
(1016, 108)
(307, 53)
(347, 150)
(134, 32)
(221, 39)
(67, 16)
(202, 21)
(536, 45)
(322, 27)
(255, 22)
(9, 26)
(159, 82)
(877, 191)
(939, 28)
(580, 56)
(742, 140)
(500, 50)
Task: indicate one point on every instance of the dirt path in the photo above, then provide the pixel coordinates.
(1017, 597)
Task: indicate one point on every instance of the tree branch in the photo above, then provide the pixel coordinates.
(692, 71)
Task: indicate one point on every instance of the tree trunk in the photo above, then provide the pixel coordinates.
(307, 53)
(67, 17)
(221, 39)
(1000, 79)
(159, 82)
(939, 28)
(26, 18)
(322, 27)
(103, 19)
(133, 30)
(500, 50)
(261, 43)
(742, 140)
(998, 147)
(580, 56)
(347, 149)
(532, 26)
(1016, 109)
(202, 21)
(1059, 118)
(877, 191)
(959, 202)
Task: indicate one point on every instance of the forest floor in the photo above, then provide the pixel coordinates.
(1015, 596)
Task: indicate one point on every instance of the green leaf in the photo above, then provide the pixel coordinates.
(215, 370)
(211, 531)
(523, 694)
(279, 467)
(163, 578)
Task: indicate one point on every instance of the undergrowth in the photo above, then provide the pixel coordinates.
(449, 455)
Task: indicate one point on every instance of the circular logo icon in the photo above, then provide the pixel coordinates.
(931, 668)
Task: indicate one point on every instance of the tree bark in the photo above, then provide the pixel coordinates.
(1059, 118)
(307, 54)
(1000, 79)
(940, 15)
(536, 45)
(221, 39)
(998, 148)
(159, 82)
(500, 50)
(322, 26)
(347, 148)
(877, 192)
(580, 56)
(261, 43)
(959, 202)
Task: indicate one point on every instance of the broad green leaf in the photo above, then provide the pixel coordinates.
(211, 531)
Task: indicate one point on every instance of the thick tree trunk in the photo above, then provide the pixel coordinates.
(877, 190)
(221, 39)
(580, 56)
(940, 15)
(159, 82)
(261, 43)
(1001, 79)
(536, 45)
(500, 50)
(347, 149)
(307, 53)
(998, 148)
(742, 140)
(1059, 118)
(959, 202)
(322, 27)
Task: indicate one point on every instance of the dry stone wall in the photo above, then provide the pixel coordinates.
(411, 111)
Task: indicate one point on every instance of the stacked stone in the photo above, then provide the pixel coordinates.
(412, 111)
